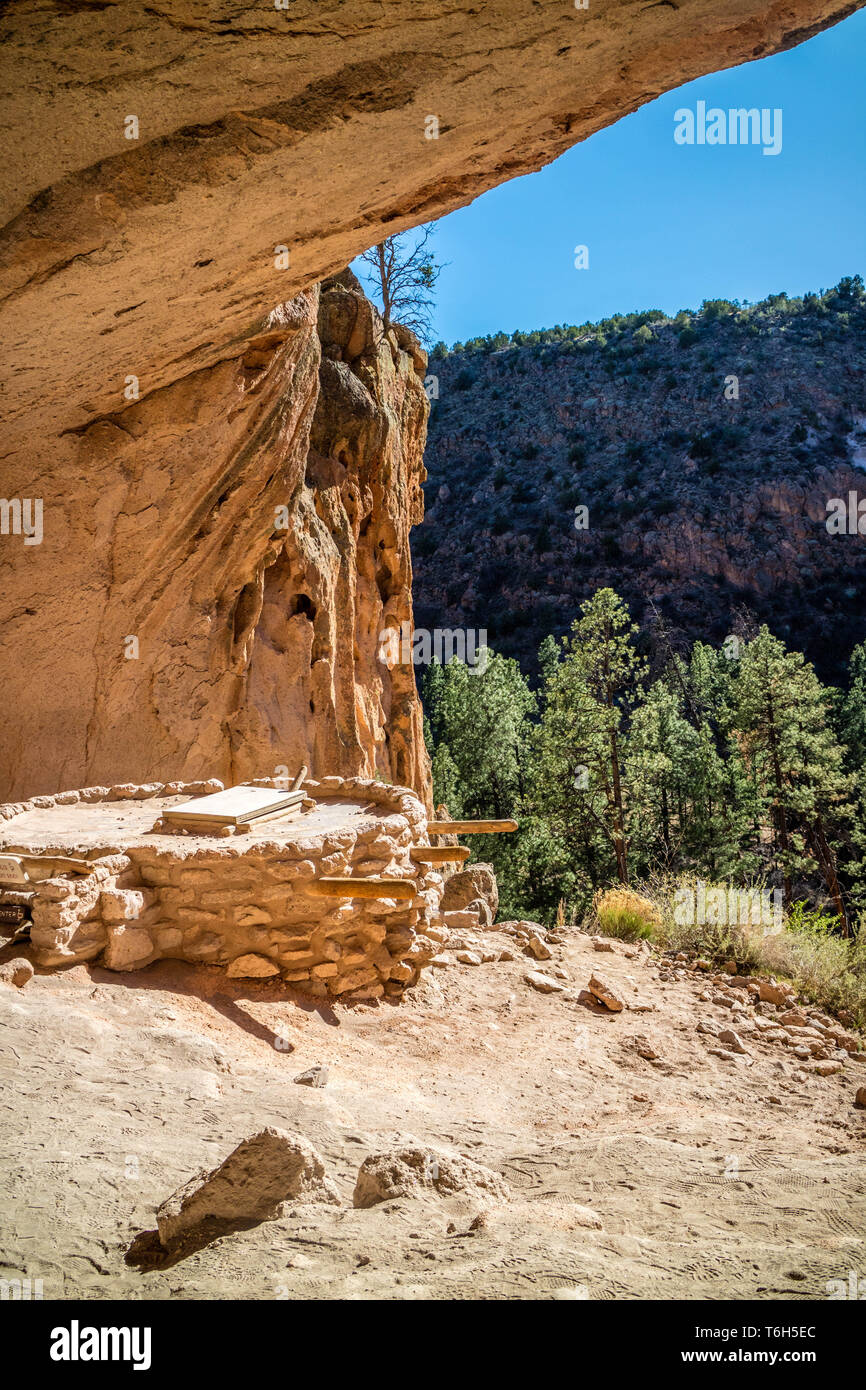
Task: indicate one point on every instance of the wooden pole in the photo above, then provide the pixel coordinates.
(470, 827)
(439, 854)
(332, 887)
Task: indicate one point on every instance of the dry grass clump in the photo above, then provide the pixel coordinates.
(822, 966)
(623, 913)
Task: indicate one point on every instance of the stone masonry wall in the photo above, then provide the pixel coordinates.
(248, 905)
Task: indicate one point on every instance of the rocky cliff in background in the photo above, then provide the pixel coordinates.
(705, 450)
(218, 564)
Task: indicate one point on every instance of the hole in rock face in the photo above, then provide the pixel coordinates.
(383, 583)
(302, 603)
(247, 609)
(312, 708)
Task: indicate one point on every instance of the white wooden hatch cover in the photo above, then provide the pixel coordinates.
(234, 806)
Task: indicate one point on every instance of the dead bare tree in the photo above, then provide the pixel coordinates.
(404, 277)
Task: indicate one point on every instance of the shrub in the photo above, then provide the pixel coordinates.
(542, 544)
(824, 967)
(625, 914)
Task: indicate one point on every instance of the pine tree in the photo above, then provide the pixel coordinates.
(661, 750)
(479, 724)
(852, 714)
(781, 717)
(579, 770)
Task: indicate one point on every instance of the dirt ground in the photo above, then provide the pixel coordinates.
(689, 1176)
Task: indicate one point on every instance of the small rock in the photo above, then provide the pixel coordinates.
(468, 958)
(644, 1048)
(605, 994)
(599, 944)
(17, 971)
(771, 993)
(860, 1098)
(733, 1041)
(730, 967)
(584, 1216)
(539, 948)
(313, 1076)
(545, 984)
(827, 1068)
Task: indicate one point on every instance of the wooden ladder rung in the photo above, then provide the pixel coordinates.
(332, 887)
(470, 827)
(439, 854)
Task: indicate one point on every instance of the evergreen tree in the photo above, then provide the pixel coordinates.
(781, 718)
(852, 714)
(479, 722)
(579, 771)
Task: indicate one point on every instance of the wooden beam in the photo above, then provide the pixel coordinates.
(439, 854)
(470, 827)
(332, 887)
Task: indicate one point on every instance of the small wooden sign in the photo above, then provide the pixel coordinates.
(12, 870)
(13, 914)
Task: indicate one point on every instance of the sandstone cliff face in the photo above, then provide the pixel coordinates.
(316, 688)
(217, 563)
(170, 172)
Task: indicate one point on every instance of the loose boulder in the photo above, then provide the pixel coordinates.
(605, 994)
(463, 888)
(416, 1171)
(264, 1171)
(17, 972)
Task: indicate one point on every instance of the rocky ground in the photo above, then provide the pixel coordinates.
(697, 1143)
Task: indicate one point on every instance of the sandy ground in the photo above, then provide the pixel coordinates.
(114, 1089)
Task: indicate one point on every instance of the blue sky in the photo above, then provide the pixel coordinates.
(669, 225)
